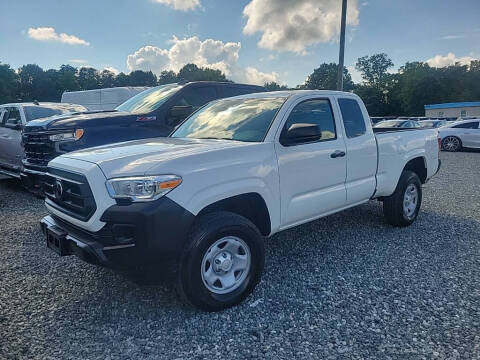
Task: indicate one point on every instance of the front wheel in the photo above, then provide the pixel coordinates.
(223, 261)
(451, 143)
(402, 207)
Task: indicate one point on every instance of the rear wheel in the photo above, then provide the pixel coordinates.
(223, 261)
(451, 143)
(402, 207)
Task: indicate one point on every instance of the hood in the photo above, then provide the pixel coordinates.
(79, 120)
(139, 156)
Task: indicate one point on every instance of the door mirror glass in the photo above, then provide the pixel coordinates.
(13, 124)
(302, 133)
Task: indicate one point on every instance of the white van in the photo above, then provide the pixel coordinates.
(102, 99)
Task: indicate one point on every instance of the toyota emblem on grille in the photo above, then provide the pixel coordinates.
(58, 190)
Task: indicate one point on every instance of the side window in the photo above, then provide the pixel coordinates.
(229, 91)
(12, 117)
(352, 118)
(469, 125)
(463, 113)
(197, 97)
(190, 100)
(316, 112)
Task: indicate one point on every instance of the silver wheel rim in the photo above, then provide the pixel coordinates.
(410, 201)
(226, 265)
(451, 143)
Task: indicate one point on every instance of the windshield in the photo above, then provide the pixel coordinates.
(38, 111)
(149, 100)
(389, 124)
(430, 124)
(232, 119)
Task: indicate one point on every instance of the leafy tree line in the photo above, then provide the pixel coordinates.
(31, 82)
(384, 93)
(403, 93)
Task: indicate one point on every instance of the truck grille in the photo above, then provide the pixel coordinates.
(39, 150)
(69, 193)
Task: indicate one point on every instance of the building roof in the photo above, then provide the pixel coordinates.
(452, 105)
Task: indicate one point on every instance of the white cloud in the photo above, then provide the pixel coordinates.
(78, 61)
(449, 59)
(288, 25)
(453, 37)
(183, 5)
(208, 53)
(49, 34)
(112, 69)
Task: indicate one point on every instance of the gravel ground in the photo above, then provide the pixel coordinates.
(346, 286)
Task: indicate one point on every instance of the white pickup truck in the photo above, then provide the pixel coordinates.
(237, 170)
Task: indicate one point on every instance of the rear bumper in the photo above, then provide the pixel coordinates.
(135, 236)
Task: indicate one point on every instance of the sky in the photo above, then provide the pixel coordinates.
(251, 41)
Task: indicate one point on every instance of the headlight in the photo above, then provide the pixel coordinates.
(142, 188)
(66, 136)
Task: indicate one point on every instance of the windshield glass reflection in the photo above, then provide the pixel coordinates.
(149, 100)
(232, 119)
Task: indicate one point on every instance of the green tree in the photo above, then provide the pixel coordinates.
(167, 77)
(106, 79)
(88, 78)
(32, 82)
(67, 79)
(273, 86)
(325, 78)
(374, 69)
(9, 84)
(192, 72)
(142, 78)
(121, 79)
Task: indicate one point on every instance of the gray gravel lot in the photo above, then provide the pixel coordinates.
(346, 286)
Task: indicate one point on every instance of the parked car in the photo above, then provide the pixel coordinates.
(237, 170)
(402, 124)
(432, 124)
(13, 118)
(153, 112)
(460, 134)
(102, 99)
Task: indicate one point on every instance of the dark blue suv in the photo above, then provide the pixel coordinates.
(152, 113)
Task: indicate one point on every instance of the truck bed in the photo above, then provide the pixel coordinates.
(398, 146)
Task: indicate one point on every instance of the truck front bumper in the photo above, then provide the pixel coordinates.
(135, 236)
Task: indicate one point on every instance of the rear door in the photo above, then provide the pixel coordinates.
(312, 174)
(361, 151)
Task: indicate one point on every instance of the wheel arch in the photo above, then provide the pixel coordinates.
(418, 165)
(249, 205)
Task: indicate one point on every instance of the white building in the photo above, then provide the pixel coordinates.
(460, 109)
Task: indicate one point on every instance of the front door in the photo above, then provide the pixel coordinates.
(312, 174)
(11, 139)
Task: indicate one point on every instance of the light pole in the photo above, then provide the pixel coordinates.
(342, 46)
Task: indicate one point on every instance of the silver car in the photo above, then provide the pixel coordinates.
(460, 134)
(12, 119)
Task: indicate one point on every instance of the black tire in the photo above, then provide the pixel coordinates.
(208, 230)
(451, 144)
(393, 206)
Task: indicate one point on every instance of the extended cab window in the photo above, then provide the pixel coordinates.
(316, 112)
(352, 118)
(469, 125)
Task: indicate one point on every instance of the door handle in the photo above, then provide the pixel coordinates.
(337, 154)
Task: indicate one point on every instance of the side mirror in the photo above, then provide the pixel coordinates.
(14, 125)
(301, 133)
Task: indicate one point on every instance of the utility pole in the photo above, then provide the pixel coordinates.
(342, 46)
